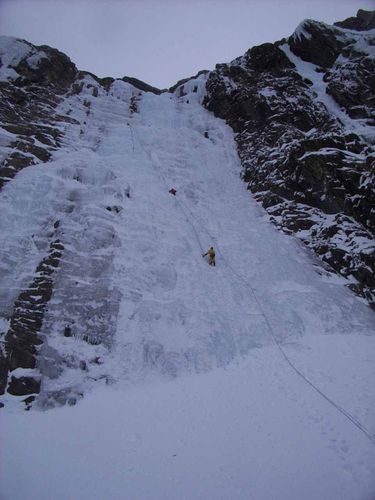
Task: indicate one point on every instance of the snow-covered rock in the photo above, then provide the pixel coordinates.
(303, 110)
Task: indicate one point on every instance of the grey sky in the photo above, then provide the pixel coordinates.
(161, 41)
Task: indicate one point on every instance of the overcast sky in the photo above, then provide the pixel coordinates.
(161, 41)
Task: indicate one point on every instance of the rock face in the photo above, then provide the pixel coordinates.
(35, 83)
(365, 20)
(38, 76)
(303, 111)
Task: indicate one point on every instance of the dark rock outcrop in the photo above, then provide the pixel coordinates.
(23, 385)
(28, 103)
(305, 163)
(317, 43)
(138, 84)
(364, 20)
(49, 67)
(22, 340)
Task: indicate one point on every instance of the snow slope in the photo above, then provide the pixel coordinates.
(252, 431)
(205, 405)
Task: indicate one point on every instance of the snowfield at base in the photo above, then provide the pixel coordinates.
(250, 431)
(199, 401)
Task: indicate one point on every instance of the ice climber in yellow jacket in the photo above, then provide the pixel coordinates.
(211, 256)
